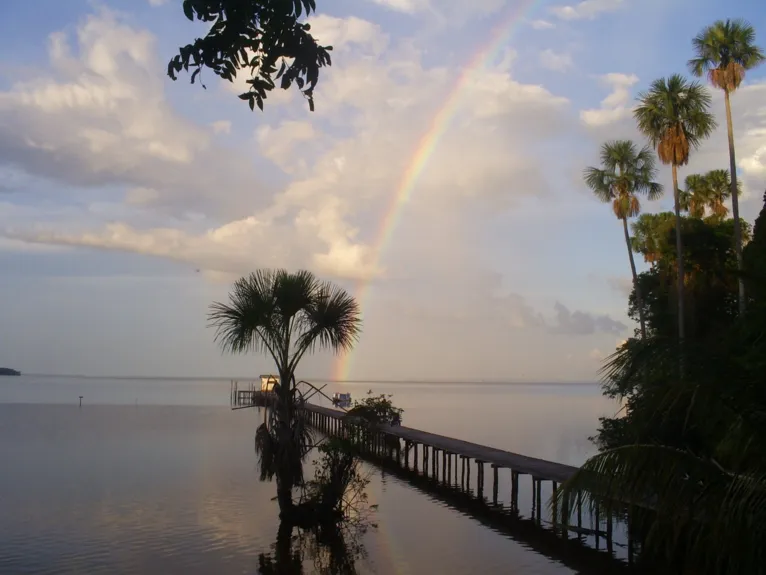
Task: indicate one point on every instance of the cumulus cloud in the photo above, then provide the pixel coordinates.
(615, 106)
(585, 10)
(102, 119)
(556, 61)
(583, 323)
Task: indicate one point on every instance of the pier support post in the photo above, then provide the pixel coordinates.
(609, 546)
(494, 484)
(462, 473)
(514, 490)
(555, 506)
(480, 479)
(468, 474)
(415, 457)
(538, 487)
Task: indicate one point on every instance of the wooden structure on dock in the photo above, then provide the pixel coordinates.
(448, 461)
(253, 395)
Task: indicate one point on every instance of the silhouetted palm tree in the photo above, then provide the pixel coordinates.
(674, 115)
(285, 316)
(625, 173)
(725, 51)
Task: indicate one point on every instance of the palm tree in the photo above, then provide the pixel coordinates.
(285, 315)
(625, 173)
(725, 51)
(695, 196)
(674, 115)
(719, 190)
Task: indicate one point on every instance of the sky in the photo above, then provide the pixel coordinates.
(129, 202)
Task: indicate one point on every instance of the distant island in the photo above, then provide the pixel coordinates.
(8, 371)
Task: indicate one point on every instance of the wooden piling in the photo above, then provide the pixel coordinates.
(514, 490)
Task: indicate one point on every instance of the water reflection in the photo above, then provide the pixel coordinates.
(140, 489)
(332, 550)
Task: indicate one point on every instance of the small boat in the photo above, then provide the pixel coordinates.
(341, 399)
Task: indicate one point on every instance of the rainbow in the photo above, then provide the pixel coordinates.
(425, 149)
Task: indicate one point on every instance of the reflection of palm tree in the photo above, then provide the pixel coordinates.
(285, 315)
(625, 173)
(674, 115)
(725, 51)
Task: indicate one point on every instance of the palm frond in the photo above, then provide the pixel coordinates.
(331, 322)
(674, 115)
(724, 51)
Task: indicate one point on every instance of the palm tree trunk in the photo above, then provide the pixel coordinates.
(679, 256)
(636, 287)
(735, 203)
(284, 472)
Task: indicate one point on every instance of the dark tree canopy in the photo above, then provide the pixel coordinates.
(262, 37)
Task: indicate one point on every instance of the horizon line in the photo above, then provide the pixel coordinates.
(515, 381)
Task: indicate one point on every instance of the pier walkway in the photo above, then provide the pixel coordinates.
(539, 468)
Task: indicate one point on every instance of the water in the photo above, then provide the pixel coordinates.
(158, 476)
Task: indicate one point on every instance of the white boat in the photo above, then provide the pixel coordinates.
(341, 399)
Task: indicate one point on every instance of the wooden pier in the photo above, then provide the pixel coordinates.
(448, 462)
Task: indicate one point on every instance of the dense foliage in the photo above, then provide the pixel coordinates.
(687, 450)
(263, 38)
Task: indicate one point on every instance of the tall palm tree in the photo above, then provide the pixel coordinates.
(725, 51)
(625, 173)
(695, 196)
(285, 316)
(674, 115)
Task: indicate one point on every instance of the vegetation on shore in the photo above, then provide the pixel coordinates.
(684, 460)
(8, 371)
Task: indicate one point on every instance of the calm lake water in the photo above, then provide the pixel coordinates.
(159, 476)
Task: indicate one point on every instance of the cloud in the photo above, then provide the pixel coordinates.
(585, 10)
(157, 2)
(107, 122)
(100, 118)
(406, 6)
(596, 355)
(558, 62)
(583, 323)
(221, 127)
(614, 107)
(542, 25)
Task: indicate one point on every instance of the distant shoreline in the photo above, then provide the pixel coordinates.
(8, 371)
(320, 380)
